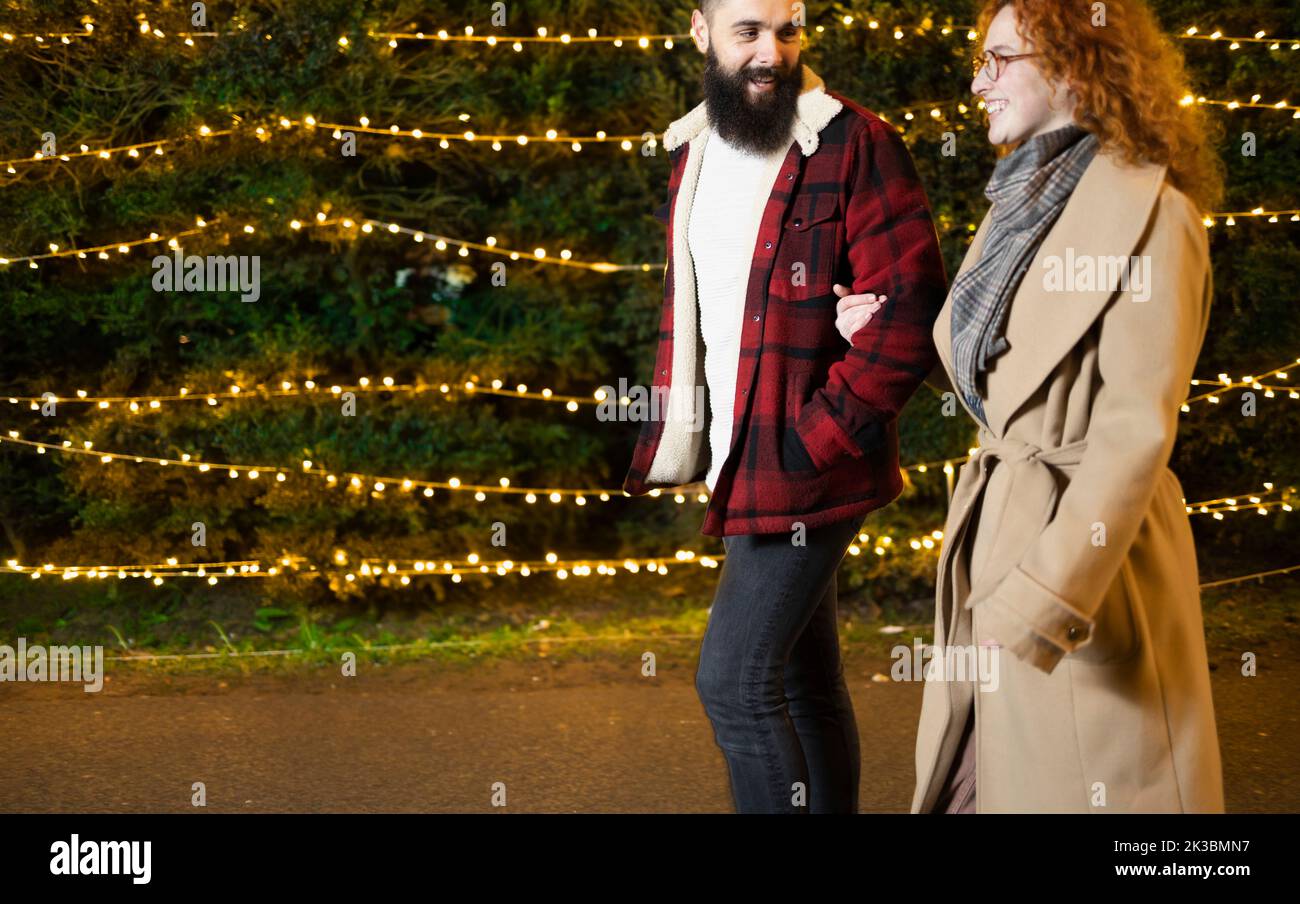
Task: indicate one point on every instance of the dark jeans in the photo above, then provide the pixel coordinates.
(770, 676)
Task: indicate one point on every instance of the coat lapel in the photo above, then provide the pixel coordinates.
(1104, 219)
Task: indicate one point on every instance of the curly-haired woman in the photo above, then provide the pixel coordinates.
(1070, 335)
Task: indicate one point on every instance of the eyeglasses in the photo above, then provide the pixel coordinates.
(996, 62)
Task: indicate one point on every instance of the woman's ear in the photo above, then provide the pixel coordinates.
(1064, 98)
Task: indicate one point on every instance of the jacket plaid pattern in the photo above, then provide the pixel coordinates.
(814, 436)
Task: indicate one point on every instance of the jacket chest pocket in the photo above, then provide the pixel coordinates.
(809, 243)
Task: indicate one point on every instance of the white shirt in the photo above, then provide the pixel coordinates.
(726, 213)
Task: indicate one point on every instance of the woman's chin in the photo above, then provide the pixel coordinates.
(1002, 133)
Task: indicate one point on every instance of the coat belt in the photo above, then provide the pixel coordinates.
(1032, 487)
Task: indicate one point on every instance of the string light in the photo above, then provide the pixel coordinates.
(61, 37)
(280, 123)
(552, 137)
(102, 252)
(518, 42)
(107, 153)
(562, 570)
(1260, 508)
(642, 42)
(1252, 104)
(1233, 42)
(497, 142)
(544, 35)
(378, 485)
(491, 245)
(929, 111)
(1272, 216)
(918, 113)
(898, 31)
(288, 388)
(1225, 383)
(372, 569)
(375, 568)
(469, 36)
(1245, 502)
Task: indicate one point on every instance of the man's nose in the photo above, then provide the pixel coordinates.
(765, 53)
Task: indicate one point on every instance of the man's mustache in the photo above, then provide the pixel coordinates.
(765, 71)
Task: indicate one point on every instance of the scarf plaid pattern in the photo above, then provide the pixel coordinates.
(1029, 188)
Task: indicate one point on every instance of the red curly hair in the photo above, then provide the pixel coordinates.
(1130, 81)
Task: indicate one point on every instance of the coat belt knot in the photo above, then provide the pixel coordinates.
(1031, 487)
(1010, 451)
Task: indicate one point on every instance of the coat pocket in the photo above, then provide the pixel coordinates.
(812, 209)
(809, 240)
(794, 454)
(1114, 633)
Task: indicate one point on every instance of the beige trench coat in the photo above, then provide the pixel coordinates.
(1067, 541)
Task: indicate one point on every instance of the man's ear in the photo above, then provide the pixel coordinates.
(700, 31)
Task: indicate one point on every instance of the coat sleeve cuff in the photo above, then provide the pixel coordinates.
(1033, 622)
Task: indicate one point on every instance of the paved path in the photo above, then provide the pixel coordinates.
(570, 737)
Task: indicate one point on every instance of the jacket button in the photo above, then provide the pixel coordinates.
(756, 317)
(1073, 633)
(663, 373)
(798, 221)
(767, 244)
(789, 177)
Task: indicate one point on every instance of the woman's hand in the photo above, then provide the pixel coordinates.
(855, 311)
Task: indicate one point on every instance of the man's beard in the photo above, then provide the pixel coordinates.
(760, 125)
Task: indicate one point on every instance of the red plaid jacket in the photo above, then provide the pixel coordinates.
(815, 435)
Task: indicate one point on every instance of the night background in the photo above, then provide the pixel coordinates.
(380, 180)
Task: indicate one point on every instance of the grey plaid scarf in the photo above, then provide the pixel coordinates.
(1028, 189)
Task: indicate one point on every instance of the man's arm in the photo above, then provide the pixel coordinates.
(894, 251)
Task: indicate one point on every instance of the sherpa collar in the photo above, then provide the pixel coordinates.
(815, 108)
